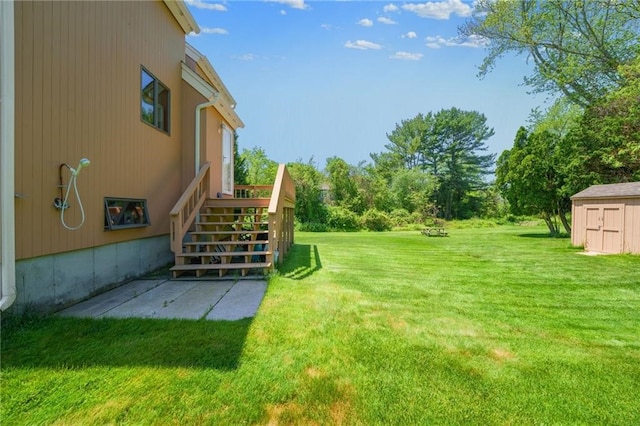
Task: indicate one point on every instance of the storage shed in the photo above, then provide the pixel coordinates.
(606, 218)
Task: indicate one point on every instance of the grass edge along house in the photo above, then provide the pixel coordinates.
(117, 155)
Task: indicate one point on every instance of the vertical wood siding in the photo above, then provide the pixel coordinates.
(78, 95)
(210, 139)
(630, 224)
(578, 228)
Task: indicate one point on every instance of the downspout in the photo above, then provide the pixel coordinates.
(212, 100)
(7, 165)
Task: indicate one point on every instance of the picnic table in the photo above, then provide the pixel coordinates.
(434, 232)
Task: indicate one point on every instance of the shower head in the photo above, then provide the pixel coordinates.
(83, 163)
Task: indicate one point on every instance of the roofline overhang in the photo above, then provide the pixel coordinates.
(211, 94)
(180, 11)
(226, 104)
(198, 83)
(603, 197)
(209, 72)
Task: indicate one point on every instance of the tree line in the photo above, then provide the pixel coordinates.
(434, 167)
(586, 56)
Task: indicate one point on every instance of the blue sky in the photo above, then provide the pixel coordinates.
(332, 78)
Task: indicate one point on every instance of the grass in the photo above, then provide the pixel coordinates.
(486, 326)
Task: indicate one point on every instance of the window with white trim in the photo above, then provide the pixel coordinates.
(227, 160)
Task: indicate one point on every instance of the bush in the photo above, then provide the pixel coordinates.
(375, 220)
(400, 217)
(341, 219)
(311, 227)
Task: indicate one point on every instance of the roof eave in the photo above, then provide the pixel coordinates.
(180, 11)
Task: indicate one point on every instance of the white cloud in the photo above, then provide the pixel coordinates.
(362, 45)
(471, 41)
(199, 4)
(407, 56)
(390, 8)
(439, 9)
(327, 27)
(207, 30)
(410, 34)
(283, 12)
(294, 4)
(246, 57)
(365, 22)
(385, 20)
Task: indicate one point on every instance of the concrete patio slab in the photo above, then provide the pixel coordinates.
(213, 300)
(111, 299)
(240, 302)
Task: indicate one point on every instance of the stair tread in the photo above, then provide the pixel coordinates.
(224, 242)
(204, 215)
(259, 231)
(223, 253)
(215, 266)
(232, 223)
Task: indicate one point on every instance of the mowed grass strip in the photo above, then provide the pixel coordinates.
(486, 326)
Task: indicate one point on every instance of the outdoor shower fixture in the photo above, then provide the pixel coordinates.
(61, 202)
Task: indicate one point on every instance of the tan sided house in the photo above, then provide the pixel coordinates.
(117, 155)
(606, 218)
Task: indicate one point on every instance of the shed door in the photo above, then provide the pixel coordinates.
(604, 225)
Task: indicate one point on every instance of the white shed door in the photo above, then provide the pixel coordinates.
(604, 223)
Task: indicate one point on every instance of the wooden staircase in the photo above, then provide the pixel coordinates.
(229, 236)
(241, 235)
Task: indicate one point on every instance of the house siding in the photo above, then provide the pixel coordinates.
(210, 139)
(78, 70)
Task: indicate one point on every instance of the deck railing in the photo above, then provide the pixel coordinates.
(253, 191)
(281, 198)
(281, 208)
(186, 209)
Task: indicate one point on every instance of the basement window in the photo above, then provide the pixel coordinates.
(123, 213)
(155, 101)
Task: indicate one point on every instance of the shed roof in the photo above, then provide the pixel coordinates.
(615, 190)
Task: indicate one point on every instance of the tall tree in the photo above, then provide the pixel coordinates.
(448, 145)
(239, 167)
(413, 190)
(309, 206)
(260, 169)
(343, 189)
(608, 136)
(577, 46)
(407, 141)
(458, 139)
(530, 177)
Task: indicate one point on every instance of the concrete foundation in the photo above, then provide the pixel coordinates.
(49, 283)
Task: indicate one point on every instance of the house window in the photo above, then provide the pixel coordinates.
(227, 160)
(155, 101)
(121, 213)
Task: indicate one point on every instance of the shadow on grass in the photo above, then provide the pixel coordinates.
(82, 342)
(545, 235)
(303, 260)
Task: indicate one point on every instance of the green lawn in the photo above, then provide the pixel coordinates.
(486, 326)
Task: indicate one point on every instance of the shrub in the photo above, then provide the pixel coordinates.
(341, 219)
(375, 220)
(400, 217)
(311, 227)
